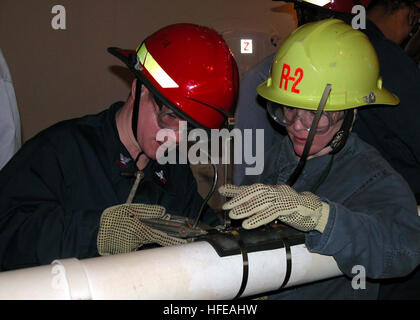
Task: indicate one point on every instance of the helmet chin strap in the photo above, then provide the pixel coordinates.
(302, 161)
(337, 142)
(136, 107)
(135, 115)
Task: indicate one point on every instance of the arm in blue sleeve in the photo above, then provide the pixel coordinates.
(377, 228)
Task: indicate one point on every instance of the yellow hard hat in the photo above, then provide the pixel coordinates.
(326, 52)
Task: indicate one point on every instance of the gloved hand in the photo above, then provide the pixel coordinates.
(262, 204)
(121, 229)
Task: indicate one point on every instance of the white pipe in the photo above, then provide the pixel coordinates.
(190, 271)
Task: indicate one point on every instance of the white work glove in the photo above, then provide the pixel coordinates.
(121, 229)
(262, 204)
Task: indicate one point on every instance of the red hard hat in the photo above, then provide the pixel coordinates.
(191, 69)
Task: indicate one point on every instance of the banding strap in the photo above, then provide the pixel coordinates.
(245, 269)
(288, 263)
(245, 263)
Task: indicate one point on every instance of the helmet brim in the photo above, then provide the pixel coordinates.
(381, 97)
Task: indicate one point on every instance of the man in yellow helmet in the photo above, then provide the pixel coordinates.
(393, 131)
(322, 179)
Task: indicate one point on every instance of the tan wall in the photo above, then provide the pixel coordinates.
(61, 74)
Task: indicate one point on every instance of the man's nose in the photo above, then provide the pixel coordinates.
(298, 124)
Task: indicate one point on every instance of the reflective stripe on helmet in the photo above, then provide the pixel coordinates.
(153, 67)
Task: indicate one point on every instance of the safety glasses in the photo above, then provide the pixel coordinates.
(286, 116)
(166, 118)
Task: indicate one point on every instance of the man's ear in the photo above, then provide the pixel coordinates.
(413, 14)
(132, 93)
(144, 90)
(133, 88)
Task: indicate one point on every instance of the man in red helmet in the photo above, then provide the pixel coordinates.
(83, 187)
